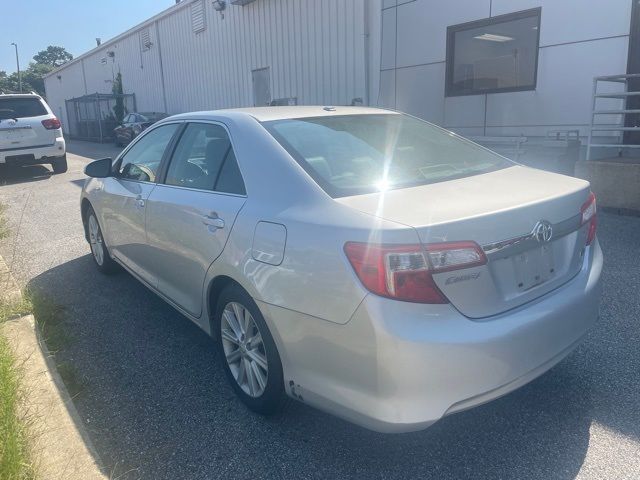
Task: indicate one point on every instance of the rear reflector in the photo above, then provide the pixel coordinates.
(404, 272)
(589, 216)
(51, 123)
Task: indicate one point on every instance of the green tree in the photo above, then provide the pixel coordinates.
(9, 83)
(117, 89)
(33, 77)
(53, 56)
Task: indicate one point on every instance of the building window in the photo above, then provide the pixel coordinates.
(498, 54)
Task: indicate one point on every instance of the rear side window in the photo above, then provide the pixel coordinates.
(204, 159)
(21, 108)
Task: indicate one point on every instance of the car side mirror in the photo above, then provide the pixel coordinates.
(99, 168)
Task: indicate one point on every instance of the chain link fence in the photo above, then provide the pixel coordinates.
(94, 117)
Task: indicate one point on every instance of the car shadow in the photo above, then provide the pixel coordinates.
(92, 150)
(11, 174)
(157, 405)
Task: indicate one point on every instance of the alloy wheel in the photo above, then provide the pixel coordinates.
(244, 349)
(95, 239)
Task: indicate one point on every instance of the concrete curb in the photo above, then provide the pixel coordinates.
(61, 445)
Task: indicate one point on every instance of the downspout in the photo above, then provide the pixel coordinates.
(367, 60)
(84, 76)
(164, 92)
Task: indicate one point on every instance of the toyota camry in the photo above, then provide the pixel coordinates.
(359, 260)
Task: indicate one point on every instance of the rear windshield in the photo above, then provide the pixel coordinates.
(153, 116)
(21, 108)
(358, 154)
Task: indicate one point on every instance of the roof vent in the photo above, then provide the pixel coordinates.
(145, 40)
(198, 19)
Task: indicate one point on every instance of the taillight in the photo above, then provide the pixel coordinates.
(51, 123)
(404, 272)
(589, 216)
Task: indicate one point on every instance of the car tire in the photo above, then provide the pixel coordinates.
(99, 251)
(254, 346)
(59, 165)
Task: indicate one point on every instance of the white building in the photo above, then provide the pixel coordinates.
(522, 67)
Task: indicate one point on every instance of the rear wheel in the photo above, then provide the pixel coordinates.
(248, 353)
(59, 164)
(99, 251)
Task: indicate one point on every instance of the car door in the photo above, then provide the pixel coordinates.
(124, 199)
(191, 212)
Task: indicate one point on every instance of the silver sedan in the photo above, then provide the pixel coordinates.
(359, 260)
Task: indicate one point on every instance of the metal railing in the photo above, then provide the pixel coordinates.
(621, 127)
(511, 147)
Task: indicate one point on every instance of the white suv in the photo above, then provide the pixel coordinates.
(30, 133)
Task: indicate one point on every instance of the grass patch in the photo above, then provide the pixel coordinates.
(50, 317)
(4, 229)
(14, 309)
(15, 463)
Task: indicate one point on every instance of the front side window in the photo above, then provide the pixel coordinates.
(142, 161)
(498, 54)
(204, 159)
(21, 108)
(359, 154)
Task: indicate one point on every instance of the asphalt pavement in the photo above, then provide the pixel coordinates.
(157, 405)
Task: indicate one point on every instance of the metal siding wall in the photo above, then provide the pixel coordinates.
(575, 45)
(140, 71)
(70, 84)
(315, 50)
(300, 40)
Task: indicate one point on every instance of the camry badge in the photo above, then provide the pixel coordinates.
(542, 232)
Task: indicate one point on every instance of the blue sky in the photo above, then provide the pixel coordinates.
(73, 24)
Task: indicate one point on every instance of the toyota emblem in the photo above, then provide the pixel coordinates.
(543, 231)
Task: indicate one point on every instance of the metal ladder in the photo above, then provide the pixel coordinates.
(613, 127)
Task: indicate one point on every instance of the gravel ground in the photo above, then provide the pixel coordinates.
(157, 406)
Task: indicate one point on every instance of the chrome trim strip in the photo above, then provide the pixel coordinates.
(511, 246)
(28, 147)
(21, 127)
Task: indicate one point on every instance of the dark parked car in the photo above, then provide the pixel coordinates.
(133, 124)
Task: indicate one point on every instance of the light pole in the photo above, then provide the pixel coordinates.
(18, 65)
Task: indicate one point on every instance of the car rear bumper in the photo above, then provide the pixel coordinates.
(33, 155)
(398, 366)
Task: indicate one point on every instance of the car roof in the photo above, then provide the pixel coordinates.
(266, 114)
(19, 95)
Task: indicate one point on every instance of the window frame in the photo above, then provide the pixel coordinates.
(161, 177)
(450, 90)
(169, 148)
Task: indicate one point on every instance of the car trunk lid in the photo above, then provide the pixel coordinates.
(499, 211)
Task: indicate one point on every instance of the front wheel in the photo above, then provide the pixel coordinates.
(99, 251)
(59, 164)
(248, 353)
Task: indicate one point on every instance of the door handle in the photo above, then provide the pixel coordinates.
(213, 221)
(139, 201)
